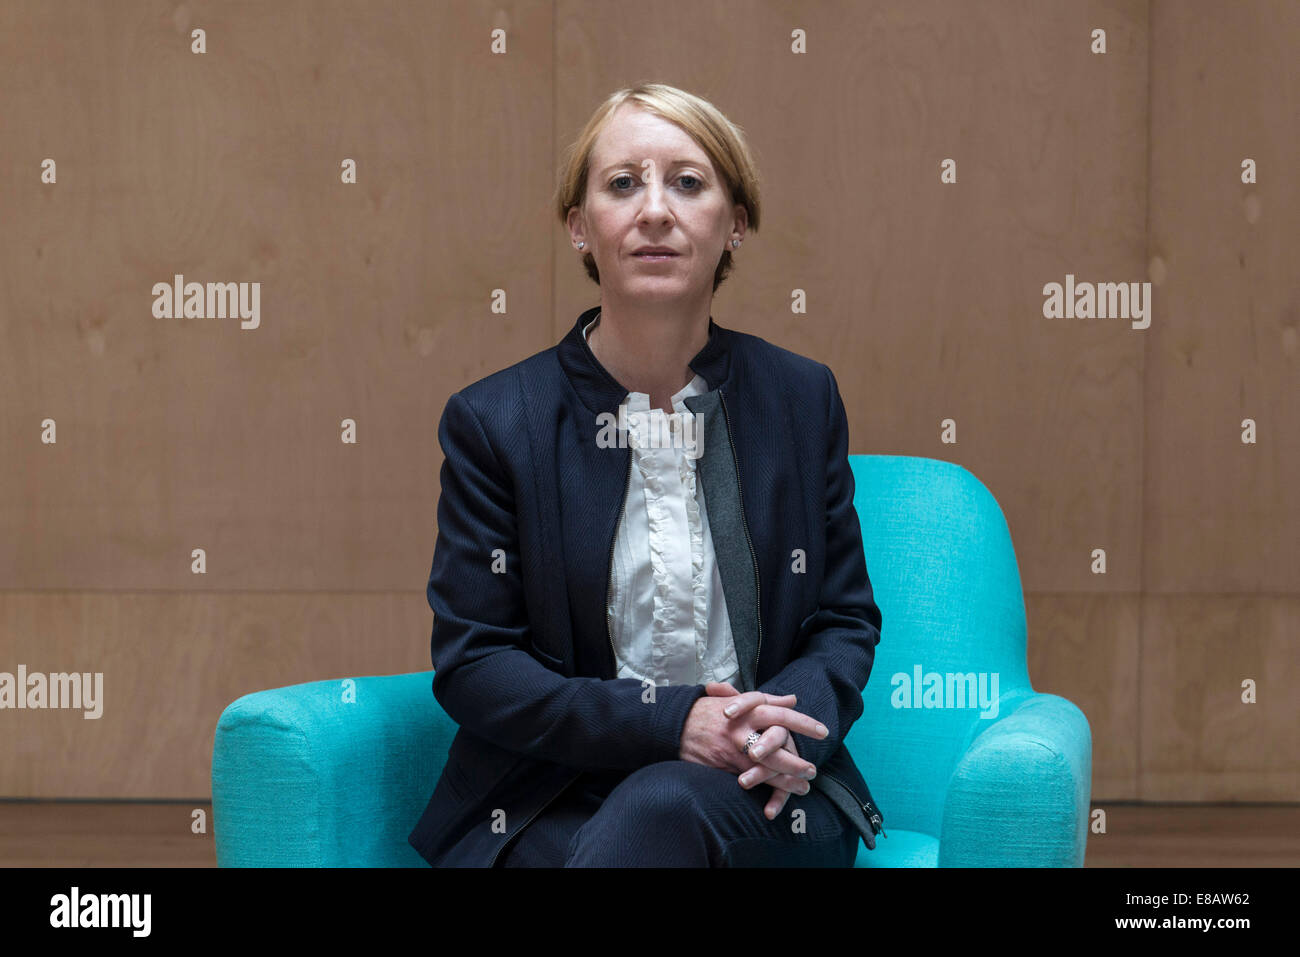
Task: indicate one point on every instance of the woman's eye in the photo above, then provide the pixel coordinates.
(695, 180)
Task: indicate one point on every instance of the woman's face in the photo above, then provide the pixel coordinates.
(650, 184)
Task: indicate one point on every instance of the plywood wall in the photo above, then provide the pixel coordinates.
(376, 304)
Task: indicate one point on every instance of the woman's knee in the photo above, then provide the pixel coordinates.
(669, 789)
(657, 814)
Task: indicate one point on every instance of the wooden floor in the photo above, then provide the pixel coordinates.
(132, 834)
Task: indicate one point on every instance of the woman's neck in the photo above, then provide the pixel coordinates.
(650, 356)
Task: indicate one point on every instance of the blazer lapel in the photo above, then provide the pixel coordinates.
(717, 471)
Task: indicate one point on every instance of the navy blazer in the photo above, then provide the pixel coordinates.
(531, 499)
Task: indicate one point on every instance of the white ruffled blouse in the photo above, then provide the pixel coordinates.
(666, 608)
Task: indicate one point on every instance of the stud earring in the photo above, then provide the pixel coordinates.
(735, 244)
(580, 245)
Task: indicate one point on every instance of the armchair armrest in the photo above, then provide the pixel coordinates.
(327, 773)
(1019, 796)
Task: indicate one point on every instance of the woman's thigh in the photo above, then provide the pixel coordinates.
(679, 813)
(545, 841)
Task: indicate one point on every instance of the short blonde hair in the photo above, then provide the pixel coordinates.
(722, 140)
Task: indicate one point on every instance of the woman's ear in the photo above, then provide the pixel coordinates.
(577, 228)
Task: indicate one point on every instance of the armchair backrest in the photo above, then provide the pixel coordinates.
(944, 575)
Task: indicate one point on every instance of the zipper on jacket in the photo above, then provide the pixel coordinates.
(873, 815)
(758, 606)
(609, 566)
(493, 862)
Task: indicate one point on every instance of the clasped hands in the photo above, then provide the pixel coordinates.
(716, 729)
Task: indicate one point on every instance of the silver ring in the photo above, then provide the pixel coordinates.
(750, 742)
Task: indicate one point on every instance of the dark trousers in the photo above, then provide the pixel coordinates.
(681, 814)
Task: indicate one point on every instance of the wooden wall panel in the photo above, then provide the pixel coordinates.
(375, 298)
(1223, 517)
(183, 433)
(1221, 523)
(171, 662)
(925, 298)
(1199, 740)
(1086, 648)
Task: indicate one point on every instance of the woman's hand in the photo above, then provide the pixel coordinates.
(775, 736)
(714, 738)
(760, 773)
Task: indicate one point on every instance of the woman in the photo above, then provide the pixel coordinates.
(652, 616)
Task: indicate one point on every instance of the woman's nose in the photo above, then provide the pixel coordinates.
(655, 205)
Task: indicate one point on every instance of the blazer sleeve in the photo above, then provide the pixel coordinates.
(484, 677)
(833, 661)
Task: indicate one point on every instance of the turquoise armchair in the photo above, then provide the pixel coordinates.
(969, 765)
